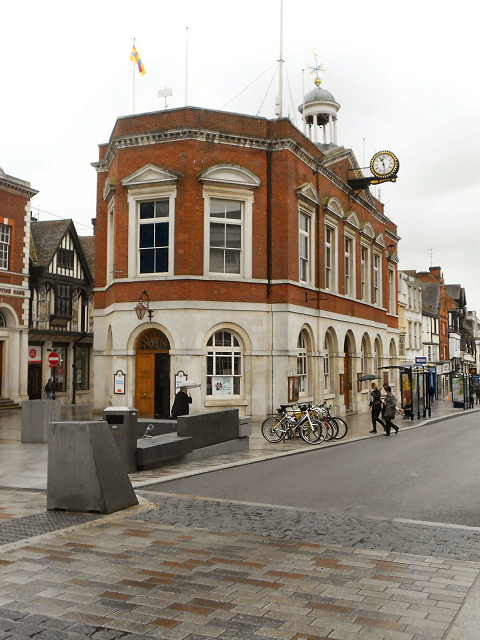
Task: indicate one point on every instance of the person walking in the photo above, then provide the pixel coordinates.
(389, 410)
(375, 407)
(181, 404)
(50, 389)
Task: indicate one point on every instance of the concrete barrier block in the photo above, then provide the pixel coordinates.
(36, 416)
(210, 427)
(85, 472)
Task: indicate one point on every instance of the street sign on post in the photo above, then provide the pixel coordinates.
(53, 359)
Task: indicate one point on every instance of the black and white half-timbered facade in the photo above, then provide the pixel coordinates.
(61, 301)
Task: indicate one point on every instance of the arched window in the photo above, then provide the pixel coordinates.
(327, 380)
(3, 322)
(302, 361)
(224, 364)
(153, 340)
(364, 362)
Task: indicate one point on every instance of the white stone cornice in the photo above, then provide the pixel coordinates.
(202, 135)
(109, 188)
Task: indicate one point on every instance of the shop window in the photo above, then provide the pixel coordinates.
(224, 365)
(82, 367)
(60, 371)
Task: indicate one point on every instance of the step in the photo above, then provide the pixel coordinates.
(152, 452)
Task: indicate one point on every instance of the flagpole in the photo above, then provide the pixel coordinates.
(134, 82)
(186, 68)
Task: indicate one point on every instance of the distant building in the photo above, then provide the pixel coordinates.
(410, 319)
(61, 304)
(461, 336)
(264, 272)
(15, 214)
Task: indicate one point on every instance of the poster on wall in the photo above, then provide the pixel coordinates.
(293, 388)
(406, 391)
(181, 376)
(457, 389)
(222, 386)
(119, 382)
(34, 354)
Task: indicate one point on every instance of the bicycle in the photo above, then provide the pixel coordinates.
(340, 424)
(289, 425)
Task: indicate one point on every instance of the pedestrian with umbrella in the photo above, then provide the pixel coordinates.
(375, 407)
(183, 400)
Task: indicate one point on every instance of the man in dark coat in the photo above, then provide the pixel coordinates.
(181, 404)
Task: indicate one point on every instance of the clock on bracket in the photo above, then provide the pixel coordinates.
(384, 164)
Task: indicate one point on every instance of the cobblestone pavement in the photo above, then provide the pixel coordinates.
(295, 525)
(124, 576)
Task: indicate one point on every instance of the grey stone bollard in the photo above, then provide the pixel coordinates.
(85, 472)
(36, 416)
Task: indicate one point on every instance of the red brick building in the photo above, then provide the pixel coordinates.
(15, 215)
(263, 269)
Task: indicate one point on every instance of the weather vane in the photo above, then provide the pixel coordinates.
(317, 66)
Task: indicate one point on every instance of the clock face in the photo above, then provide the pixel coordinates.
(384, 163)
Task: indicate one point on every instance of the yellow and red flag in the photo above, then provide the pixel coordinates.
(136, 58)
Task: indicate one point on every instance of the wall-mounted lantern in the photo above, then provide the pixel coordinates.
(143, 307)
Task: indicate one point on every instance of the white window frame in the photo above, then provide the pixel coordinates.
(149, 194)
(331, 267)
(349, 255)
(302, 362)
(377, 279)
(326, 369)
(365, 273)
(236, 194)
(309, 234)
(391, 291)
(5, 246)
(111, 242)
(234, 351)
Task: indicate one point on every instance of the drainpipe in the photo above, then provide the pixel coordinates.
(269, 261)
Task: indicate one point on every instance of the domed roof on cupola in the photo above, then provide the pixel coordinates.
(319, 110)
(318, 94)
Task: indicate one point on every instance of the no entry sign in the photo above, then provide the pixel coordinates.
(53, 359)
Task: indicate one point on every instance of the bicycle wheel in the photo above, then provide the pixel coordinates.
(342, 428)
(273, 429)
(331, 428)
(314, 433)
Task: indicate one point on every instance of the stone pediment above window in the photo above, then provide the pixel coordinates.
(380, 240)
(351, 218)
(367, 230)
(308, 192)
(392, 256)
(333, 207)
(109, 188)
(150, 175)
(230, 174)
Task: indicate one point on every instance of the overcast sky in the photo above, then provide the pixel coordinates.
(405, 75)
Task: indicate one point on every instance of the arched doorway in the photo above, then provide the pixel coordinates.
(152, 374)
(348, 373)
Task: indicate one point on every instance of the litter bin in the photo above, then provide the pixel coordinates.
(123, 425)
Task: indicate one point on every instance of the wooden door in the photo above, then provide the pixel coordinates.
(346, 396)
(1, 366)
(145, 384)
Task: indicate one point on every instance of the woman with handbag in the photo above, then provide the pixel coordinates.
(389, 410)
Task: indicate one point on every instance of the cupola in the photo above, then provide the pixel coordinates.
(319, 111)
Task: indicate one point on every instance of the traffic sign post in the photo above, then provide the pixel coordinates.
(53, 359)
